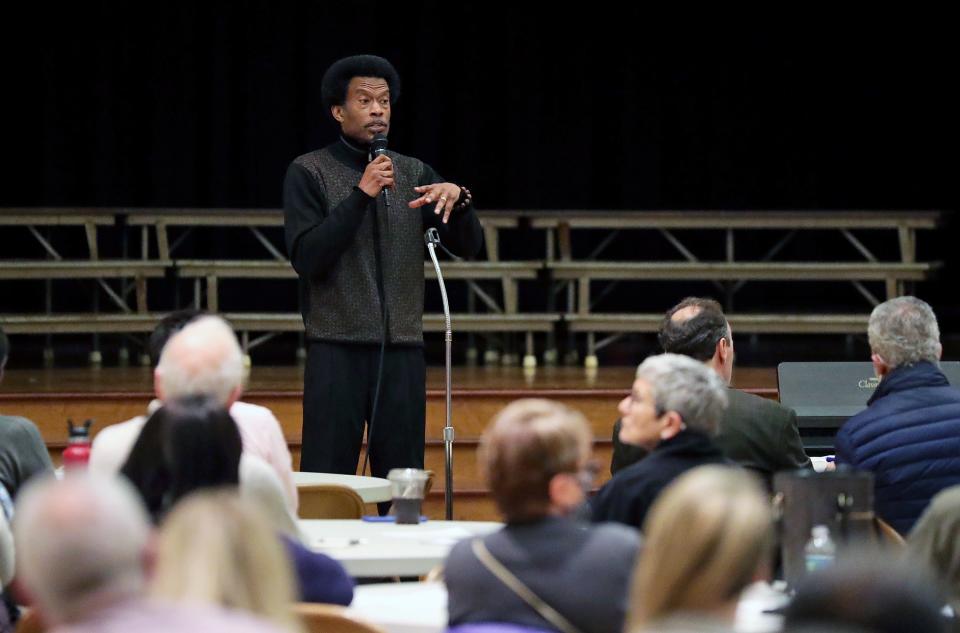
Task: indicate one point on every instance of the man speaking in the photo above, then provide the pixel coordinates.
(354, 215)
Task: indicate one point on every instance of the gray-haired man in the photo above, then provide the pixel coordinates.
(909, 434)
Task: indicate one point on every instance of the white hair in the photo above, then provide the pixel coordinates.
(682, 384)
(904, 331)
(203, 358)
(78, 540)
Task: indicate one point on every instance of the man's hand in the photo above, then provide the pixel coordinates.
(377, 175)
(445, 194)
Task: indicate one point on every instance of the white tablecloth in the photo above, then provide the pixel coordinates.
(412, 607)
(370, 489)
(406, 607)
(370, 550)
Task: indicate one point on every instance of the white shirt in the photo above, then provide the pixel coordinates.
(259, 430)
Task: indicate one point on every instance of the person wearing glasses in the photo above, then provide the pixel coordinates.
(673, 412)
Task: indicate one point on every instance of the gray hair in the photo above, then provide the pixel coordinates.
(687, 386)
(77, 539)
(904, 331)
(203, 358)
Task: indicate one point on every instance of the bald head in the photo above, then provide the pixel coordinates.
(203, 358)
(81, 542)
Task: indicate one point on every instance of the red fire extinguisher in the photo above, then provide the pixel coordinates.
(77, 453)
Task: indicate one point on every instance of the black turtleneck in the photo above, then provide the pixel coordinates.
(316, 235)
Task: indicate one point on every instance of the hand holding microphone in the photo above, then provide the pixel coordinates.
(378, 176)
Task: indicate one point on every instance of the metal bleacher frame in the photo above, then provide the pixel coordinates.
(501, 315)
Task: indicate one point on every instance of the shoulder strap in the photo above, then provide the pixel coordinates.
(513, 583)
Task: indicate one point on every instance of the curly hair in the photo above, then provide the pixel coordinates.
(333, 87)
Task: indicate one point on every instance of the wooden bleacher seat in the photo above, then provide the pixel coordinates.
(892, 273)
(89, 219)
(741, 323)
(82, 269)
(79, 323)
(138, 270)
(214, 270)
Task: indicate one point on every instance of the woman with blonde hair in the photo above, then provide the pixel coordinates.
(708, 537)
(216, 548)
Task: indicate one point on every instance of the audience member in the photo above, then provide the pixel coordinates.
(192, 444)
(535, 456)
(708, 536)
(215, 548)
(935, 541)
(755, 432)
(200, 355)
(907, 435)
(188, 444)
(869, 591)
(23, 452)
(83, 547)
(673, 412)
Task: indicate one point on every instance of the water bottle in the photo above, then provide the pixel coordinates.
(820, 551)
(77, 453)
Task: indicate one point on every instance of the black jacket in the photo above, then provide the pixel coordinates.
(628, 496)
(759, 434)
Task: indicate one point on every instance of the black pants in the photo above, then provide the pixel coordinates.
(338, 392)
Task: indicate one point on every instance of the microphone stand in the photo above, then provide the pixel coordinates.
(432, 238)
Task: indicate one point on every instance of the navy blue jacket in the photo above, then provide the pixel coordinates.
(909, 438)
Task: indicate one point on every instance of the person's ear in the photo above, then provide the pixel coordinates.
(337, 112)
(880, 366)
(234, 396)
(670, 424)
(157, 384)
(565, 491)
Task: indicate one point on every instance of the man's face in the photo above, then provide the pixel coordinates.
(366, 111)
(641, 424)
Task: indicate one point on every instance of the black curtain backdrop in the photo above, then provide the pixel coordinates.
(205, 104)
(600, 106)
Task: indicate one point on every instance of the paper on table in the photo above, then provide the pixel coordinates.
(444, 536)
(334, 542)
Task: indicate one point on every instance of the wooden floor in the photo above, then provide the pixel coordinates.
(139, 380)
(114, 394)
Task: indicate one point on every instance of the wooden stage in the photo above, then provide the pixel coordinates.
(114, 394)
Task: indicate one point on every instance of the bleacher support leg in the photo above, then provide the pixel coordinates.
(529, 358)
(591, 361)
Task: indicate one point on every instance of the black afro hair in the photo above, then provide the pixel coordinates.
(333, 88)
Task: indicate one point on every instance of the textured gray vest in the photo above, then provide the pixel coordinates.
(344, 303)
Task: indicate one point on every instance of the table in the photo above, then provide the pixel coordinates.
(372, 550)
(370, 489)
(410, 607)
(405, 607)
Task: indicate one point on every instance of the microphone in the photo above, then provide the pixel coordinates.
(378, 147)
